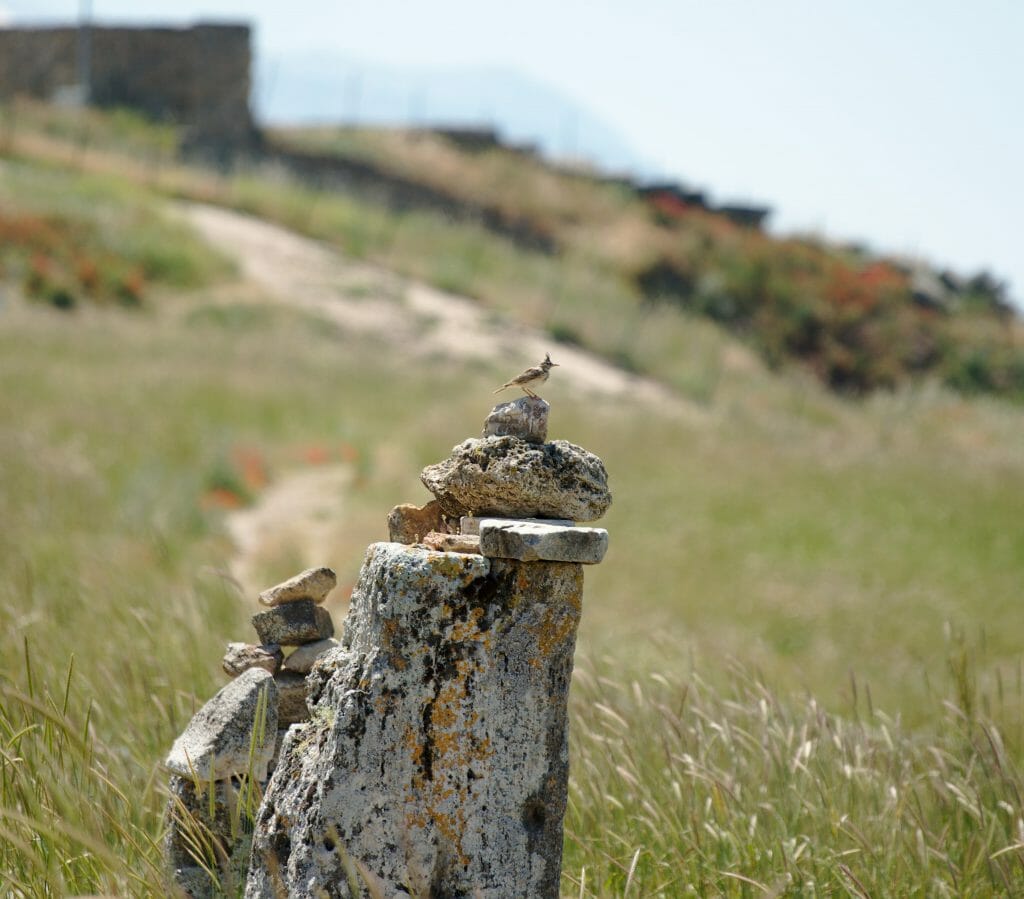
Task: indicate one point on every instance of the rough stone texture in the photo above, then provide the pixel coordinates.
(215, 745)
(470, 524)
(452, 543)
(525, 418)
(301, 661)
(410, 524)
(313, 583)
(291, 702)
(509, 478)
(437, 751)
(533, 542)
(243, 656)
(294, 623)
(187, 806)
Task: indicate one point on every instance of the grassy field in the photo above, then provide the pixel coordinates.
(808, 610)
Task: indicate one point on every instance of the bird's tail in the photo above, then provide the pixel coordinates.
(503, 386)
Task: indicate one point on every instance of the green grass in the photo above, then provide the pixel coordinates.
(808, 611)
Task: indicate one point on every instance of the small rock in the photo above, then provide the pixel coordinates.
(525, 418)
(470, 524)
(313, 583)
(291, 703)
(215, 745)
(510, 478)
(530, 542)
(409, 524)
(301, 661)
(243, 656)
(294, 623)
(452, 543)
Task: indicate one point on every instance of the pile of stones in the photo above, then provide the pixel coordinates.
(509, 494)
(501, 501)
(224, 744)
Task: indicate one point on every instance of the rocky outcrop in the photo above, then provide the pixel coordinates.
(436, 756)
(510, 478)
(425, 753)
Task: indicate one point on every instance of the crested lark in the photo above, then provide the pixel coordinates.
(532, 377)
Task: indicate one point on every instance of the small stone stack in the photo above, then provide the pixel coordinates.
(511, 495)
(239, 732)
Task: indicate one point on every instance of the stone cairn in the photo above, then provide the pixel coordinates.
(426, 753)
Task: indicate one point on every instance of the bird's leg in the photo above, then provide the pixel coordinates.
(529, 392)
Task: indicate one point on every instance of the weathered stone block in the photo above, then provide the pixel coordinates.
(215, 745)
(533, 542)
(301, 661)
(410, 524)
(291, 702)
(525, 418)
(437, 755)
(243, 656)
(470, 524)
(313, 583)
(510, 478)
(294, 623)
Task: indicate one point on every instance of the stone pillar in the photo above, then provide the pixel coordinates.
(435, 762)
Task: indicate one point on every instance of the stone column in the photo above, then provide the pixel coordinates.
(435, 762)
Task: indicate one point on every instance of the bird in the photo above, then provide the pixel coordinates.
(531, 377)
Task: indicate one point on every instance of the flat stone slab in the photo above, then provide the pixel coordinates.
(532, 542)
(452, 543)
(294, 623)
(301, 661)
(313, 583)
(215, 745)
(470, 524)
(291, 702)
(525, 418)
(243, 656)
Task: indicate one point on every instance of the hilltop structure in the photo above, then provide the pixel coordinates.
(197, 76)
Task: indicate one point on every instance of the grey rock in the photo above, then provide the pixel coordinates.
(452, 543)
(301, 661)
(410, 524)
(436, 755)
(313, 583)
(533, 542)
(470, 524)
(215, 744)
(294, 623)
(510, 478)
(227, 844)
(525, 418)
(243, 656)
(291, 704)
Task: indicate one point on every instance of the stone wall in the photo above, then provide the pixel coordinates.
(197, 76)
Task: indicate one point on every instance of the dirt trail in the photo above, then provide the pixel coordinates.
(416, 317)
(297, 516)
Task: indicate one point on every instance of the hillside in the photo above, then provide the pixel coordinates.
(809, 605)
(858, 320)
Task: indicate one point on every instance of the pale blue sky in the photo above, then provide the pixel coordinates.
(897, 123)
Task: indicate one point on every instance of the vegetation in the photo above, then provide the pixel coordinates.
(799, 668)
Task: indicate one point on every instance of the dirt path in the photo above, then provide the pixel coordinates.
(419, 318)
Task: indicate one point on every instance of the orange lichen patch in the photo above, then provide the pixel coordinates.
(554, 629)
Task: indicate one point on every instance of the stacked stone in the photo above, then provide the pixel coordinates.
(237, 735)
(511, 495)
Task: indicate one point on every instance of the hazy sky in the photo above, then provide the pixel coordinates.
(897, 123)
